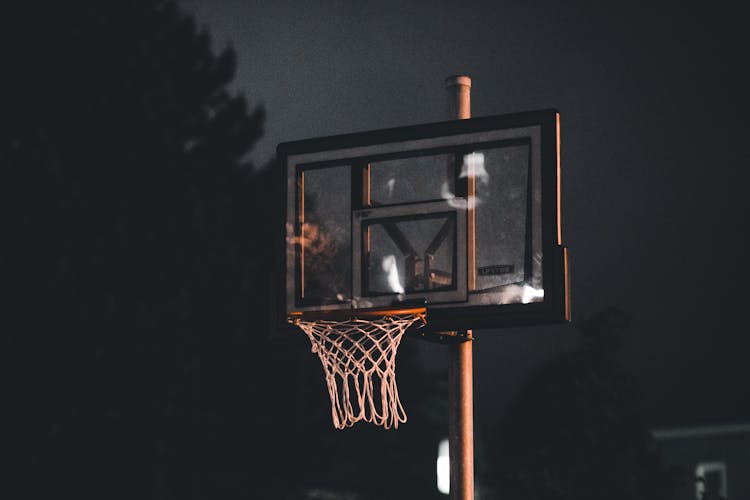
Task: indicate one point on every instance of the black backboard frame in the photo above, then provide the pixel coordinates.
(554, 308)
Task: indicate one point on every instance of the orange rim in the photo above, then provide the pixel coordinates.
(359, 313)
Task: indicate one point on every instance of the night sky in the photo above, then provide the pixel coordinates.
(653, 135)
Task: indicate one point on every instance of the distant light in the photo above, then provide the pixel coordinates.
(390, 267)
(391, 184)
(530, 294)
(474, 165)
(713, 478)
(443, 468)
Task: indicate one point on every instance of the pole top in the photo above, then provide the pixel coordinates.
(458, 80)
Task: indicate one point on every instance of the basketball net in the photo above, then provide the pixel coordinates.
(359, 361)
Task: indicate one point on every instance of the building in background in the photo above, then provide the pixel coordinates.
(712, 461)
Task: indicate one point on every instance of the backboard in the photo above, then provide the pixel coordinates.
(460, 216)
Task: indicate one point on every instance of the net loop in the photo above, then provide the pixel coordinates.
(359, 360)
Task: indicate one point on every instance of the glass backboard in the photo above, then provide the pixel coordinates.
(461, 216)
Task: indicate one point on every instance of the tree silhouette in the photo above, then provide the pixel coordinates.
(137, 252)
(132, 244)
(575, 431)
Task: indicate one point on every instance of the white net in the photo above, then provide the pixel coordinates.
(359, 361)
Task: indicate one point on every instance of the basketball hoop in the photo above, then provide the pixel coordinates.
(358, 354)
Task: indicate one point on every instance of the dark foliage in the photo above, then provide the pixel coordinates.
(575, 430)
(136, 255)
(130, 217)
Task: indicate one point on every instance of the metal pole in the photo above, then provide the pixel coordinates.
(459, 97)
(460, 369)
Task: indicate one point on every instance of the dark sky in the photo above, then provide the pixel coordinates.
(653, 116)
